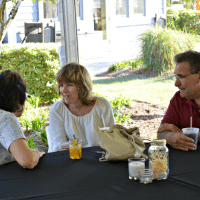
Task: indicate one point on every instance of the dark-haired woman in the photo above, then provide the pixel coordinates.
(13, 144)
(79, 113)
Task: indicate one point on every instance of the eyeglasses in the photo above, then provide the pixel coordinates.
(180, 77)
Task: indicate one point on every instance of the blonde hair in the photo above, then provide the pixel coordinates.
(77, 74)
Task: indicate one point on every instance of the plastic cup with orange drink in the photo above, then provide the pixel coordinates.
(75, 149)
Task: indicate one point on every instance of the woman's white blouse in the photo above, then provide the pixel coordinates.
(10, 130)
(63, 124)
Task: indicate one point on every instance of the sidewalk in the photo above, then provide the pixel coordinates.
(97, 54)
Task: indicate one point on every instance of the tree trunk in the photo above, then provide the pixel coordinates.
(12, 14)
(5, 25)
(2, 14)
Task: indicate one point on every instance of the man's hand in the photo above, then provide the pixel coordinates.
(179, 141)
(174, 136)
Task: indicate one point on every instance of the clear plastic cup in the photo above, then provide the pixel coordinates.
(192, 133)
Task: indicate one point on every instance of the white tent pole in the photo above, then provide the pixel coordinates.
(68, 52)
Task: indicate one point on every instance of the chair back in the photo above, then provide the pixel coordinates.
(49, 141)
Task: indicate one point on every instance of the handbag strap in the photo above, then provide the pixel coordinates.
(134, 144)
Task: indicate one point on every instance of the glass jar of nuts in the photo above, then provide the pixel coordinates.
(159, 159)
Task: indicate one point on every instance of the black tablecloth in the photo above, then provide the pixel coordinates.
(58, 177)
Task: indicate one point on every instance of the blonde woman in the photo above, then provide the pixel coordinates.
(78, 113)
(13, 144)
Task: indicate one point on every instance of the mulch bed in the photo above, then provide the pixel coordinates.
(146, 116)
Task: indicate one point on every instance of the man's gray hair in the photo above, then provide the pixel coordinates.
(193, 57)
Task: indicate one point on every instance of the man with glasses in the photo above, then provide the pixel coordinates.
(185, 103)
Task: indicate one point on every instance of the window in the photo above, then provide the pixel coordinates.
(79, 9)
(97, 4)
(138, 6)
(97, 14)
(121, 7)
(50, 10)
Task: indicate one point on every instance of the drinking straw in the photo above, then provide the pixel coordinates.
(191, 122)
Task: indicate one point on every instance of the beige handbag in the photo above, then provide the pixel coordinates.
(120, 143)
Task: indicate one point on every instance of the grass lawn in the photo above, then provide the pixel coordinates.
(152, 90)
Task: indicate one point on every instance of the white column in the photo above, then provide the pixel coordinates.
(41, 11)
(68, 52)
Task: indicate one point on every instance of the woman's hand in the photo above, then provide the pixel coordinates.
(63, 149)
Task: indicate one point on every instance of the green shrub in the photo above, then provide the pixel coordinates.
(168, 3)
(176, 2)
(134, 64)
(35, 101)
(125, 64)
(189, 21)
(96, 94)
(189, 5)
(172, 17)
(114, 67)
(116, 104)
(43, 136)
(171, 11)
(32, 144)
(33, 119)
(137, 62)
(184, 20)
(122, 118)
(119, 102)
(38, 65)
(37, 123)
(160, 45)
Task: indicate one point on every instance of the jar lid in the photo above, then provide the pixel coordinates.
(158, 142)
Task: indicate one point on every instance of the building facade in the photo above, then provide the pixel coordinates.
(117, 19)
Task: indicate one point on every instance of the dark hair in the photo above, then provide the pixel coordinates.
(193, 57)
(77, 74)
(12, 91)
